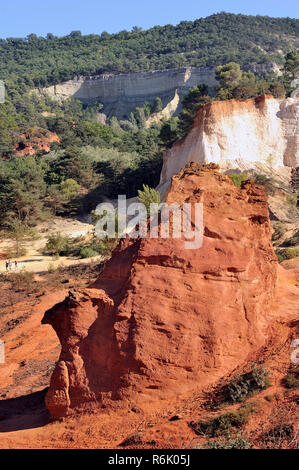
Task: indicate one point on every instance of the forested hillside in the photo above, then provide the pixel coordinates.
(87, 161)
(214, 40)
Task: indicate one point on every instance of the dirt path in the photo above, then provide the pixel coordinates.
(34, 260)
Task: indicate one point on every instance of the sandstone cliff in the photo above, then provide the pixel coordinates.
(121, 93)
(259, 133)
(161, 320)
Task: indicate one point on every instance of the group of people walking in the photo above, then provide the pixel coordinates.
(9, 265)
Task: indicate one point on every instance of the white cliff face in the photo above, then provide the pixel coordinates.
(289, 114)
(121, 93)
(259, 134)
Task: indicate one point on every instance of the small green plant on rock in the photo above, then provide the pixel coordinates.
(237, 178)
(148, 196)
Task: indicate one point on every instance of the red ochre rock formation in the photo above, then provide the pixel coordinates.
(162, 320)
(35, 140)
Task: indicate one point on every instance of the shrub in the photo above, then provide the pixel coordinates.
(279, 430)
(268, 183)
(87, 252)
(22, 281)
(276, 437)
(148, 196)
(51, 268)
(247, 384)
(237, 178)
(291, 253)
(57, 243)
(279, 231)
(288, 253)
(280, 255)
(223, 423)
(228, 442)
(291, 380)
(17, 252)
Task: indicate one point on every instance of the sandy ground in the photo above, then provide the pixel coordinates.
(34, 260)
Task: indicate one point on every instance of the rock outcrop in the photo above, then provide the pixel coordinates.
(259, 134)
(163, 320)
(120, 93)
(36, 140)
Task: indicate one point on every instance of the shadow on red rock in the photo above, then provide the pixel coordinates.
(24, 412)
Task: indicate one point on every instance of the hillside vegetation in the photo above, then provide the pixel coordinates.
(89, 161)
(217, 39)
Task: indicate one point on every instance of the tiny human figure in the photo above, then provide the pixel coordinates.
(6, 265)
(16, 265)
(9, 265)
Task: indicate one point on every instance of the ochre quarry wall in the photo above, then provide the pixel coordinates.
(260, 134)
(163, 320)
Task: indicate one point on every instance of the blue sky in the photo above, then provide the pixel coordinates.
(22, 17)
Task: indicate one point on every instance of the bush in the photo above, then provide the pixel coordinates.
(228, 442)
(223, 423)
(51, 268)
(57, 243)
(288, 253)
(17, 252)
(280, 256)
(103, 246)
(247, 384)
(279, 230)
(275, 437)
(87, 252)
(240, 388)
(237, 178)
(291, 253)
(22, 281)
(268, 183)
(148, 196)
(291, 380)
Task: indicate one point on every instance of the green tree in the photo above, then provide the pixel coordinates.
(64, 197)
(23, 189)
(157, 106)
(195, 98)
(17, 230)
(291, 66)
(56, 243)
(148, 196)
(229, 75)
(169, 131)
